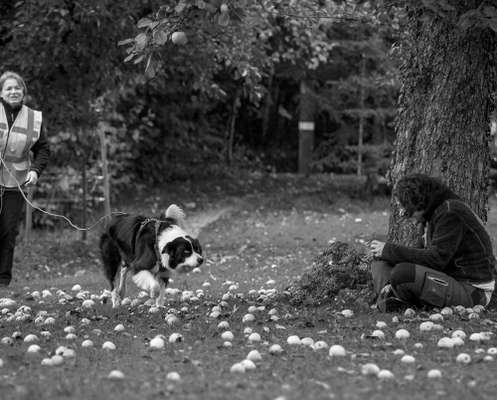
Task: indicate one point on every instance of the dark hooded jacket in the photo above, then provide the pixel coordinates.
(457, 243)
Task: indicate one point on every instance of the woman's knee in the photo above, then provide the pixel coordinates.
(380, 272)
(379, 267)
(403, 273)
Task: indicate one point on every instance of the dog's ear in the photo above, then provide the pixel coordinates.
(164, 259)
(167, 255)
(176, 213)
(167, 249)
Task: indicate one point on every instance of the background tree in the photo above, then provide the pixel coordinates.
(68, 53)
(238, 51)
(448, 77)
(218, 74)
(359, 87)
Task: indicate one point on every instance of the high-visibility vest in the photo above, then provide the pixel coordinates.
(16, 143)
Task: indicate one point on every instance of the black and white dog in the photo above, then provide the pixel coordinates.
(150, 249)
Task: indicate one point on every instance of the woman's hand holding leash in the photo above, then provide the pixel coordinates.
(377, 247)
(32, 178)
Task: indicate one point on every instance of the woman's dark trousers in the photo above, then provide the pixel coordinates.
(423, 286)
(12, 204)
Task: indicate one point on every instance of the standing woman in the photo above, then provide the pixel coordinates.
(24, 154)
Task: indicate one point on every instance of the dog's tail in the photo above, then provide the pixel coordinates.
(111, 259)
(176, 213)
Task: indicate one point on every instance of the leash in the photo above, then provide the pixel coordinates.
(79, 228)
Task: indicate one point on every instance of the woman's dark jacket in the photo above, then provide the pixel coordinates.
(457, 243)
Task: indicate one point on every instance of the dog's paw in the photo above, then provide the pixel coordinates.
(116, 299)
(160, 300)
(159, 303)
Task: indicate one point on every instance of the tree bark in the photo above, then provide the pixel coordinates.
(448, 76)
(105, 171)
(230, 129)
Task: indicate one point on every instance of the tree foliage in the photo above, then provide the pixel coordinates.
(68, 52)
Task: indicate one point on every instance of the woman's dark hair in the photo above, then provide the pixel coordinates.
(419, 192)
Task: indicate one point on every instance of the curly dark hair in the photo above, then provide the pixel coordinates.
(419, 192)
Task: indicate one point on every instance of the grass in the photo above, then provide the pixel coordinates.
(267, 233)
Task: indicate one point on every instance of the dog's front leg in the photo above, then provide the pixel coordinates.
(122, 283)
(116, 301)
(118, 293)
(160, 300)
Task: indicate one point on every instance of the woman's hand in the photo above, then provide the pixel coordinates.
(377, 247)
(32, 178)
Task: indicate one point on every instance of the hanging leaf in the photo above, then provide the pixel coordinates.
(128, 58)
(141, 41)
(150, 69)
(180, 7)
(160, 38)
(125, 41)
(223, 19)
(144, 23)
(138, 59)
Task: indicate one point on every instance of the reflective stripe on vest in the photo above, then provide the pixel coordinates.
(16, 144)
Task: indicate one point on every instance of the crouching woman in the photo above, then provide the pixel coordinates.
(455, 266)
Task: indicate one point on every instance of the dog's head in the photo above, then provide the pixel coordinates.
(179, 251)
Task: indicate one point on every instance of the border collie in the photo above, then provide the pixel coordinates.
(150, 249)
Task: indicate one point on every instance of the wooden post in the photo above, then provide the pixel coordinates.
(360, 140)
(230, 129)
(306, 129)
(105, 171)
(84, 207)
(267, 108)
(29, 216)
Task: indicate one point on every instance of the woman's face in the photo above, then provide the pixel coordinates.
(12, 92)
(416, 215)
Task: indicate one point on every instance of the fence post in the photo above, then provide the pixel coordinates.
(360, 139)
(29, 216)
(105, 171)
(306, 128)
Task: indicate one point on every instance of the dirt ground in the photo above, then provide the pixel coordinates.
(254, 220)
(259, 234)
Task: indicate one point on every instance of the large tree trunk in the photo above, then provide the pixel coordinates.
(448, 77)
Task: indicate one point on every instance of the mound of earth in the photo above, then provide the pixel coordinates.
(340, 272)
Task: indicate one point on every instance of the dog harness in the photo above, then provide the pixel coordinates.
(162, 271)
(15, 144)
